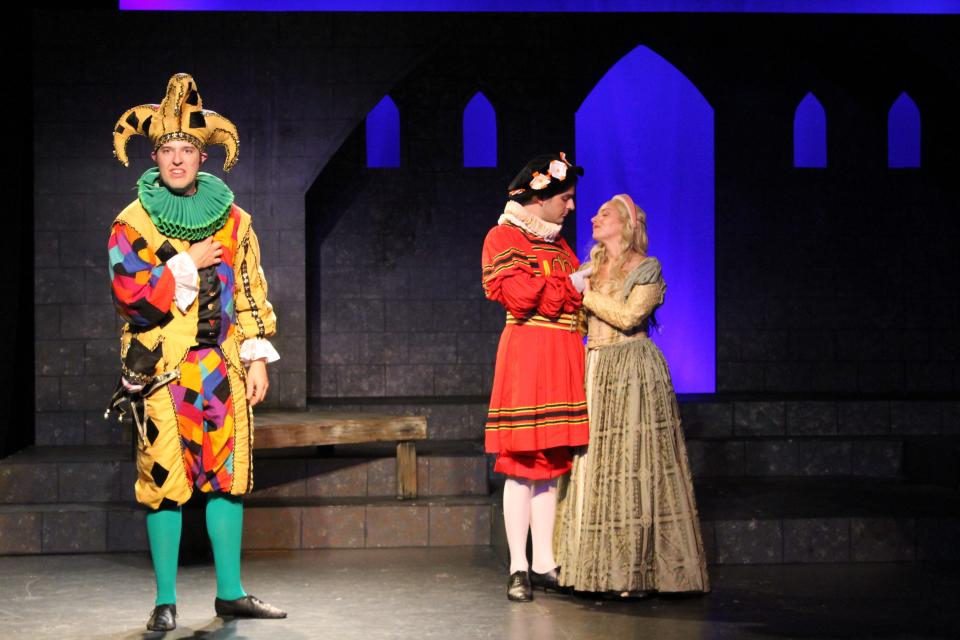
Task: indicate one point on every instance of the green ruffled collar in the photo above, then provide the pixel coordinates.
(189, 218)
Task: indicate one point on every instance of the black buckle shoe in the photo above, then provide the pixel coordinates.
(547, 580)
(518, 587)
(247, 607)
(163, 618)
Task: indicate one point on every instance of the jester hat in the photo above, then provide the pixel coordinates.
(179, 116)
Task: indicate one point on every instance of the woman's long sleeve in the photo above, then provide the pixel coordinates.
(629, 313)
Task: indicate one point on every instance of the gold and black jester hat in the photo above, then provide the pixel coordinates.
(179, 116)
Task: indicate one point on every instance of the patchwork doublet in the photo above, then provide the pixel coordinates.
(199, 432)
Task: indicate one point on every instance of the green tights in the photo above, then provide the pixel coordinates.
(225, 527)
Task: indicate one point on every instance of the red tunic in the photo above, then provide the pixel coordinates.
(538, 408)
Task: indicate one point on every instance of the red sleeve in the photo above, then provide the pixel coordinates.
(509, 278)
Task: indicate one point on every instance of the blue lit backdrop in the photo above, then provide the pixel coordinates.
(810, 134)
(646, 130)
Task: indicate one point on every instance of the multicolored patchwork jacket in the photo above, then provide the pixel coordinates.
(231, 307)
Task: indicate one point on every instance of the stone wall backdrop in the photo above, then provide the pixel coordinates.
(838, 404)
(832, 281)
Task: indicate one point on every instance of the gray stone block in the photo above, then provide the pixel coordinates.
(772, 346)
(339, 348)
(816, 540)
(101, 357)
(458, 380)
(759, 418)
(88, 321)
(74, 531)
(477, 348)
(772, 458)
(859, 345)
(56, 286)
(86, 393)
(46, 321)
(929, 377)
(824, 458)
(58, 357)
(811, 418)
(710, 459)
(882, 539)
(409, 380)
(433, 348)
(707, 419)
(336, 477)
(272, 527)
(276, 478)
(882, 459)
(836, 377)
(466, 525)
(398, 526)
(59, 428)
(410, 315)
(456, 315)
(457, 475)
(360, 381)
(127, 530)
(25, 483)
(361, 315)
(915, 418)
(790, 376)
(334, 527)
(728, 346)
(864, 418)
(739, 376)
(89, 481)
(46, 394)
(749, 542)
(382, 477)
(21, 532)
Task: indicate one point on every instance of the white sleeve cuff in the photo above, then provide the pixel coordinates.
(258, 349)
(188, 280)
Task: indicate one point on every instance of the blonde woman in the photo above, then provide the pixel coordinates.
(627, 522)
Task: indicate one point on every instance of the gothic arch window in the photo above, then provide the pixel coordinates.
(810, 134)
(645, 129)
(479, 133)
(383, 135)
(903, 134)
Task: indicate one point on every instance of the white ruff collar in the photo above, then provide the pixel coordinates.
(515, 213)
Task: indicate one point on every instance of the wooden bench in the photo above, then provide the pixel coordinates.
(280, 429)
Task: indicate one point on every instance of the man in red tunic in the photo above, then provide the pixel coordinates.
(538, 409)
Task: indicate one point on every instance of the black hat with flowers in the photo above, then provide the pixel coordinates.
(544, 177)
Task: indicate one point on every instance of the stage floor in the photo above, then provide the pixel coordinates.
(459, 593)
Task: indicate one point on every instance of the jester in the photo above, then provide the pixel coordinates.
(186, 278)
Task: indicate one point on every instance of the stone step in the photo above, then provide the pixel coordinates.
(107, 474)
(744, 521)
(268, 523)
(716, 417)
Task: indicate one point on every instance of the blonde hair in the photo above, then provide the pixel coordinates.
(631, 239)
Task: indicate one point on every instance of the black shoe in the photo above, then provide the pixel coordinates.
(163, 618)
(547, 580)
(518, 587)
(247, 607)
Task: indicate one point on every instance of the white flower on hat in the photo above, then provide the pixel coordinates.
(539, 181)
(558, 170)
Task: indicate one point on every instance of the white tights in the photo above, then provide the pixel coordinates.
(530, 505)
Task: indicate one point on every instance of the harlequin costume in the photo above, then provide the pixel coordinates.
(538, 408)
(187, 338)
